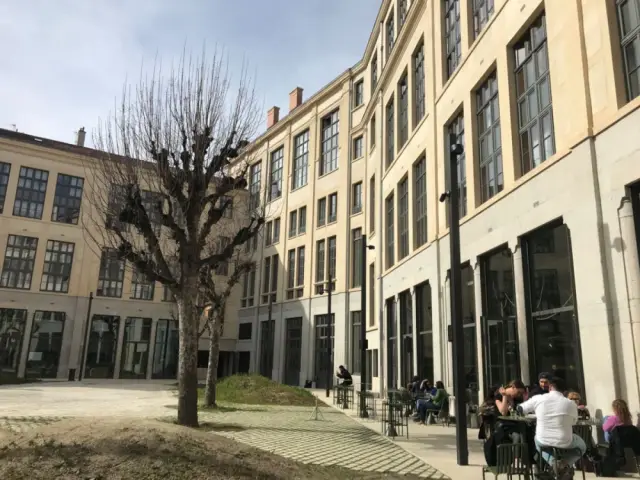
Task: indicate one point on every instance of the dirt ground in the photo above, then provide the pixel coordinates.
(123, 449)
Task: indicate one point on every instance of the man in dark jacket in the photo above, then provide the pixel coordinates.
(344, 374)
(543, 385)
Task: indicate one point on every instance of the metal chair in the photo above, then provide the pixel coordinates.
(511, 461)
(557, 456)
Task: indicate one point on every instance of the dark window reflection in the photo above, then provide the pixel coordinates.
(424, 323)
(324, 333)
(392, 344)
(500, 330)
(45, 344)
(551, 307)
(135, 347)
(103, 343)
(12, 327)
(267, 331)
(406, 332)
(165, 354)
(470, 342)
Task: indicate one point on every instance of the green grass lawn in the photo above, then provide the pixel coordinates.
(258, 390)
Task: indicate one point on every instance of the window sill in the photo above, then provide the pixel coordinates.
(354, 214)
(358, 107)
(298, 188)
(353, 160)
(327, 173)
(332, 222)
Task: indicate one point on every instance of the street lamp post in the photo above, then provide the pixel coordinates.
(363, 329)
(453, 195)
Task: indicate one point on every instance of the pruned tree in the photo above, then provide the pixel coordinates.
(159, 193)
(217, 293)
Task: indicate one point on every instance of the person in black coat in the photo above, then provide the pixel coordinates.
(543, 385)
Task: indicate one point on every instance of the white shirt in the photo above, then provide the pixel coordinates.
(555, 418)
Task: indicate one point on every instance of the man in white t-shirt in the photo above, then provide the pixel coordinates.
(555, 418)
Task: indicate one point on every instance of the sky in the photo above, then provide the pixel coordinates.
(65, 61)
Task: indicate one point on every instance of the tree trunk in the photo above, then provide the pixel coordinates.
(212, 367)
(188, 358)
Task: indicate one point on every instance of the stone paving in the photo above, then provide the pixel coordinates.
(333, 439)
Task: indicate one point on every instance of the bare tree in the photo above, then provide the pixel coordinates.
(160, 192)
(217, 295)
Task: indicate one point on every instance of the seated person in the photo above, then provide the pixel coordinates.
(507, 397)
(583, 411)
(542, 387)
(427, 388)
(344, 374)
(621, 416)
(414, 386)
(434, 405)
(555, 418)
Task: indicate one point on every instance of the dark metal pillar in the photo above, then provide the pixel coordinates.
(455, 151)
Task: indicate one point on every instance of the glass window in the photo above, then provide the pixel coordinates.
(356, 326)
(424, 323)
(56, 273)
(329, 153)
(331, 261)
(403, 111)
(356, 255)
(300, 160)
(469, 327)
(135, 347)
(374, 72)
(102, 347)
(551, 306)
(456, 132)
(403, 218)
(291, 273)
(167, 295)
(391, 34)
(390, 239)
(372, 132)
(67, 200)
(293, 223)
(45, 344)
(325, 342)
(372, 294)
(320, 263)
(255, 179)
(302, 220)
(391, 151)
(402, 12)
(322, 212)
(358, 97)
(165, 353)
(245, 330)
(358, 149)
(31, 193)
(419, 80)
(489, 139)
(5, 172)
(13, 325)
(406, 334)
(533, 93)
(333, 208)
(356, 198)
(420, 202)
(267, 338)
(629, 22)
(275, 174)
(500, 329)
(392, 344)
(452, 39)
(276, 230)
(248, 289)
(141, 287)
(482, 11)
(372, 204)
(111, 276)
(19, 259)
(300, 273)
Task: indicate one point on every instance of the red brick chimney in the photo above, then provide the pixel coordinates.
(295, 98)
(273, 115)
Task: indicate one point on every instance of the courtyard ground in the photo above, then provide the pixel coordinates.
(38, 415)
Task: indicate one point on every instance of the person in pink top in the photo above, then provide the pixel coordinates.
(621, 416)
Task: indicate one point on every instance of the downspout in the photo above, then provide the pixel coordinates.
(379, 236)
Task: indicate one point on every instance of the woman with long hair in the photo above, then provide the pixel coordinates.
(621, 416)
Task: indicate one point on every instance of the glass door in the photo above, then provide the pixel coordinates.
(165, 354)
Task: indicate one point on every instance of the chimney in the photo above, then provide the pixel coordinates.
(82, 134)
(295, 98)
(273, 115)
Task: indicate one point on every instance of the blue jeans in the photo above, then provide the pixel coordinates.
(425, 406)
(576, 444)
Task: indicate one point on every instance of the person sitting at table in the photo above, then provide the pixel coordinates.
(507, 397)
(542, 387)
(583, 411)
(555, 418)
(433, 405)
(621, 416)
(344, 374)
(427, 388)
(414, 386)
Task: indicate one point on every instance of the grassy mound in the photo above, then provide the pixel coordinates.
(105, 449)
(258, 390)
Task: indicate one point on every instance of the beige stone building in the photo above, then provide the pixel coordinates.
(57, 289)
(543, 95)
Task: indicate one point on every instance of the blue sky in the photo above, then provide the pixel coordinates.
(65, 61)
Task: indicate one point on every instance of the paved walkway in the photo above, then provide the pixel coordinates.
(291, 432)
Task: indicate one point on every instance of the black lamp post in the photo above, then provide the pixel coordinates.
(363, 329)
(453, 195)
